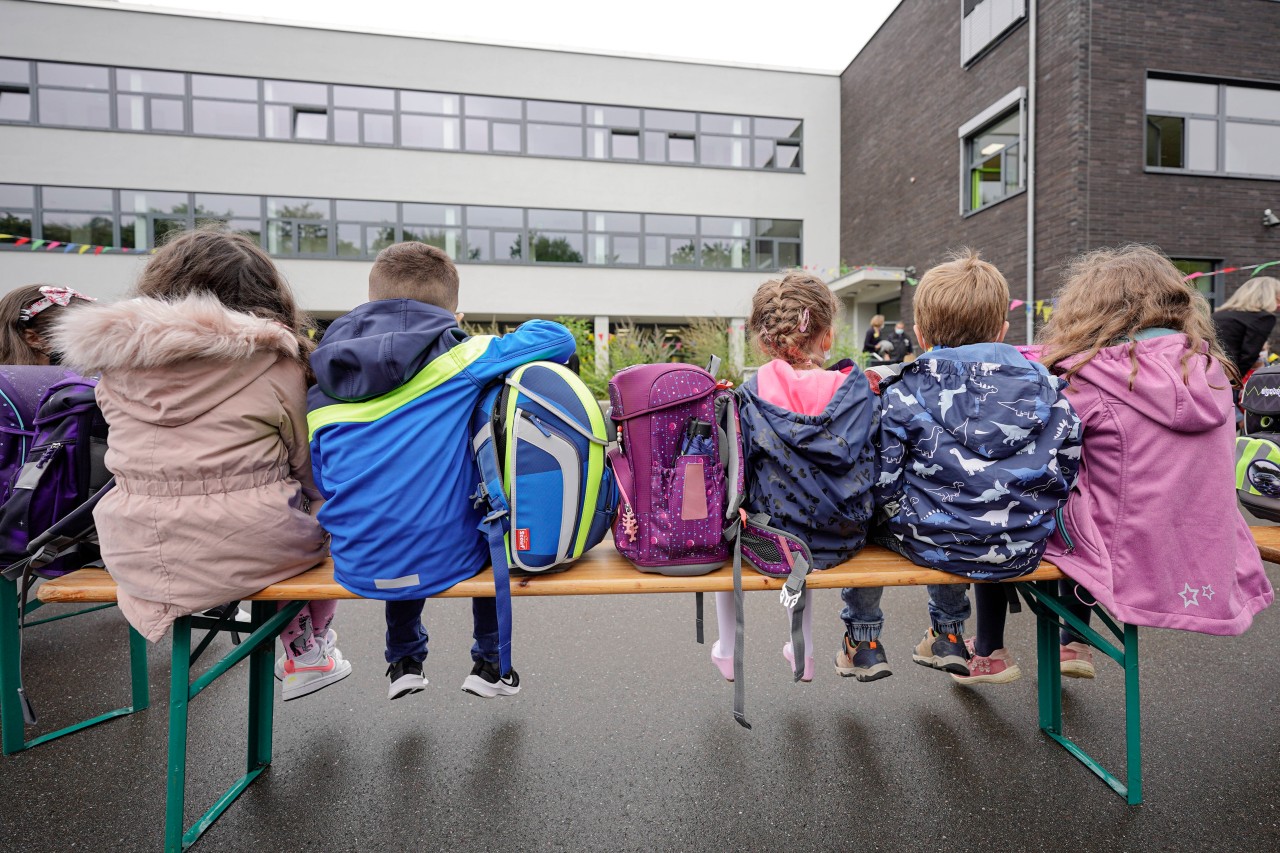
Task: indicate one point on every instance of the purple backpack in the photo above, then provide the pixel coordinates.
(22, 387)
(680, 491)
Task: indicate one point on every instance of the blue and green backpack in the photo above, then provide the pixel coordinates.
(539, 439)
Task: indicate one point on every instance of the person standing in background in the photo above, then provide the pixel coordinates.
(901, 343)
(871, 344)
(1246, 320)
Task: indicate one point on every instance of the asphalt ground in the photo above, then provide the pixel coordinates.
(622, 739)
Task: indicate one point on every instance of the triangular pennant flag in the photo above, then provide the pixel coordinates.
(53, 245)
(21, 240)
(1260, 267)
(97, 250)
(69, 247)
(5, 236)
(84, 247)
(36, 244)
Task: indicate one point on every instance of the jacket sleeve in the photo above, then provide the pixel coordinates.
(869, 342)
(891, 455)
(1255, 335)
(293, 432)
(536, 340)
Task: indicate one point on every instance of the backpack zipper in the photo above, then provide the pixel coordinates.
(1062, 528)
(48, 454)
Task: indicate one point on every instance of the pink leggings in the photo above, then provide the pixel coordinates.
(299, 637)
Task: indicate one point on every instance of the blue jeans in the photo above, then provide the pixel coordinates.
(407, 637)
(948, 610)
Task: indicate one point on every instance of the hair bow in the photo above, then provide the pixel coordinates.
(50, 296)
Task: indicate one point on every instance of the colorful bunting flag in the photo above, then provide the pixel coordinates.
(78, 248)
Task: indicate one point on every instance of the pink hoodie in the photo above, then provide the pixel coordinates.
(1152, 529)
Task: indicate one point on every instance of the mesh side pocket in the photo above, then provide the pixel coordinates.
(765, 549)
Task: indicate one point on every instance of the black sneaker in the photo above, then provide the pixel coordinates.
(484, 681)
(946, 652)
(406, 677)
(865, 661)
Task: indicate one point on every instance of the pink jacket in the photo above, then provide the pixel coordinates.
(1152, 529)
(207, 408)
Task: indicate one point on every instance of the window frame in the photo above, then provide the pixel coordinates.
(1220, 117)
(994, 114)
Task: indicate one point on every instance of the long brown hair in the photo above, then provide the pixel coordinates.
(1112, 294)
(14, 346)
(789, 317)
(232, 268)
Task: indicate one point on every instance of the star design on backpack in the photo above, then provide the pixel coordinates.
(1190, 590)
(629, 527)
(1207, 592)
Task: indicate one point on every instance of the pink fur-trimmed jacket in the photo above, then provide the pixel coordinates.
(214, 495)
(1153, 530)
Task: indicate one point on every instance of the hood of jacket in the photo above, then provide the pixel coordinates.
(988, 397)
(832, 439)
(380, 346)
(171, 362)
(1159, 392)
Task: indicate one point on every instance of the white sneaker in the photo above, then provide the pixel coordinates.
(484, 681)
(313, 671)
(330, 646)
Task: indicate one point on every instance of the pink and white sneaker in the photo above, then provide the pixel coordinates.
(313, 671)
(997, 668)
(1076, 660)
(789, 653)
(725, 665)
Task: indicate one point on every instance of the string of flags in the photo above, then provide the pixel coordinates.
(72, 248)
(1255, 268)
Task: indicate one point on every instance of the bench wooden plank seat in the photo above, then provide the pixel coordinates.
(602, 571)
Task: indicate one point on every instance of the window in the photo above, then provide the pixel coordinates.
(614, 239)
(494, 234)
(555, 237)
(725, 243)
(147, 218)
(15, 90)
(242, 213)
(296, 110)
(17, 209)
(73, 215)
(1210, 286)
(777, 143)
(670, 241)
(224, 106)
(74, 95)
(1197, 125)
(150, 101)
(363, 116)
(298, 226)
(777, 245)
(991, 153)
(438, 225)
(365, 228)
(985, 22)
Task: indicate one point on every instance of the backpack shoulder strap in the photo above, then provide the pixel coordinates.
(494, 526)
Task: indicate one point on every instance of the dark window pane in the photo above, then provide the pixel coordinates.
(73, 76)
(308, 124)
(1180, 96)
(15, 222)
(313, 239)
(78, 228)
(506, 137)
(668, 120)
(1164, 141)
(236, 88)
(429, 132)
(764, 255)
(554, 111)
(724, 151)
(284, 91)
(278, 121)
(779, 128)
(165, 227)
(15, 106)
(788, 255)
(349, 242)
(78, 109)
(509, 217)
(724, 253)
(378, 129)
(719, 225)
(554, 248)
(680, 149)
(166, 114)
(1253, 149)
(155, 82)
(566, 220)
(477, 134)
(613, 116)
(447, 239)
(787, 156)
(432, 214)
(777, 227)
(346, 126)
(75, 198)
(15, 71)
(367, 211)
(554, 140)
(17, 195)
(429, 102)
(137, 201)
(613, 221)
(133, 232)
(732, 125)
(298, 208)
(224, 118)
(663, 224)
(227, 205)
(655, 146)
(131, 112)
(625, 146)
(492, 107)
(361, 96)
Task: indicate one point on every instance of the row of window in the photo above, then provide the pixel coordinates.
(341, 228)
(109, 98)
(1213, 128)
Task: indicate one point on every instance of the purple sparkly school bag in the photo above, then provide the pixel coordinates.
(675, 507)
(21, 389)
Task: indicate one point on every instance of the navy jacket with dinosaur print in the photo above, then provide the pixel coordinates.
(977, 449)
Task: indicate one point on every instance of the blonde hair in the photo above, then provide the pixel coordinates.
(878, 321)
(1111, 295)
(789, 317)
(962, 301)
(1256, 294)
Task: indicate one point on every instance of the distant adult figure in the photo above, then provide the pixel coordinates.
(26, 315)
(872, 342)
(1245, 321)
(901, 342)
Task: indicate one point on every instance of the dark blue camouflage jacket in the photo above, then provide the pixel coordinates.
(977, 449)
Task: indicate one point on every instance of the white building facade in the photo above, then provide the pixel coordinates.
(563, 183)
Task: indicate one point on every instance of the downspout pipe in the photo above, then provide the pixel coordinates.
(1031, 170)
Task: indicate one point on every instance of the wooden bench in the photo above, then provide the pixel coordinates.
(600, 572)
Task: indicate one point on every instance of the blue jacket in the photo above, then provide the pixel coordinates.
(812, 474)
(978, 448)
(391, 445)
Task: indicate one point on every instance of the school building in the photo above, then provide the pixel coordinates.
(607, 187)
(1059, 126)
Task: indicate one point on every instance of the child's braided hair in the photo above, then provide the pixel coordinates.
(789, 317)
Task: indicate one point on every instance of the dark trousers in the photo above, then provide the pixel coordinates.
(407, 636)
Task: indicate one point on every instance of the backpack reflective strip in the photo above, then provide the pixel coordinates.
(435, 374)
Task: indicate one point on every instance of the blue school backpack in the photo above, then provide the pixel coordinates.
(539, 439)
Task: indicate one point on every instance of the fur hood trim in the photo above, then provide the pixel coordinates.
(143, 333)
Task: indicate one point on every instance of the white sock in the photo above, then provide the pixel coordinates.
(726, 622)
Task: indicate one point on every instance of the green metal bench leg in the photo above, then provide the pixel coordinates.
(262, 694)
(1049, 675)
(1133, 716)
(179, 691)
